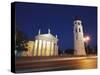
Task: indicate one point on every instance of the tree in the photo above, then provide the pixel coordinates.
(20, 40)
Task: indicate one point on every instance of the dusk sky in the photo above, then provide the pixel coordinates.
(59, 19)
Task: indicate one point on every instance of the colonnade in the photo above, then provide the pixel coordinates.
(45, 48)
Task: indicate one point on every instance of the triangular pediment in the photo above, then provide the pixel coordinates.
(46, 36)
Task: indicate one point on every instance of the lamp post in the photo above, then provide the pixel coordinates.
(86, 41)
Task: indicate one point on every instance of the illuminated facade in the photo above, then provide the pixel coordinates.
(45, 45)
(78, 38)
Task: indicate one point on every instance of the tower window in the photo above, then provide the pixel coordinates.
(78, 23)
(79, 30)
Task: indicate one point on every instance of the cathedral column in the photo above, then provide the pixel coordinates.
(56, 49)
(39, 47)
(43, 47)
(48, 48)
(35, 48)
(52, 48)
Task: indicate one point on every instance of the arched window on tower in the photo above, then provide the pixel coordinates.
(78, 23)
(79, 30)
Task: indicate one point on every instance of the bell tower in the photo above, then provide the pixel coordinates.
(79, 47)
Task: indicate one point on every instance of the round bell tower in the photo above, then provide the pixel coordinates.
(79, 47)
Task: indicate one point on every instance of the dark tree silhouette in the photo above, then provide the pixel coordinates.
(20, 40)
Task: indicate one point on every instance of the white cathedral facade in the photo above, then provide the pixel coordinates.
(45, 45)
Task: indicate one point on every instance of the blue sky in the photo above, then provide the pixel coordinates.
(30, 17)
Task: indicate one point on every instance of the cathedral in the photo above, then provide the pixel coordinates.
(45, 45)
